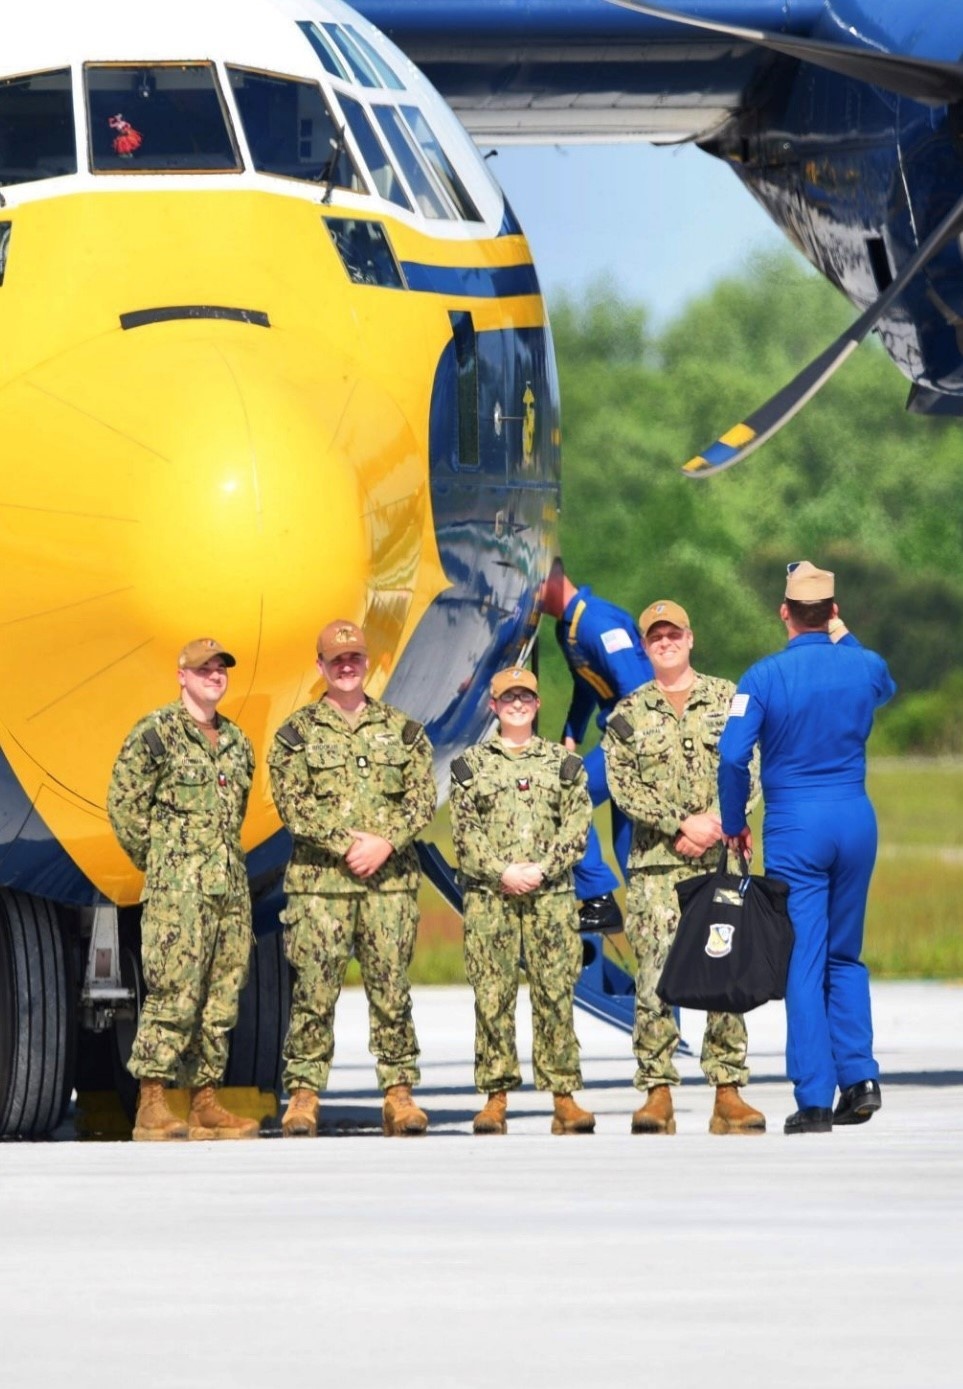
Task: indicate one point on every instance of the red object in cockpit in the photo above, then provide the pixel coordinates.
(127, 139)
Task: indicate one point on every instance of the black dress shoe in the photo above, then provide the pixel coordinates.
(809, 1121)
(600, 914)
(858, 1103)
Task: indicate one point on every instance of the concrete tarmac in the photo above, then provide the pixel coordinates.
(529, 1260)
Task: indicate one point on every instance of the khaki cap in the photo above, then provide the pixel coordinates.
(807, 584)
(199, 651)
(340, 637)
(514, 678)
(663, 611)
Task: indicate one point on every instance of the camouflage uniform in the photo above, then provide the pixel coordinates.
(176, 804)
(662, 768)
(328, 778)
(508, 808)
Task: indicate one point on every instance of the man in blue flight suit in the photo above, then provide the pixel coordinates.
(810, 707)
(602, 649)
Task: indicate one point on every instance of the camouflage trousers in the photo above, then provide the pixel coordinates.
(543, 929)
(652, 917)
(321, 934)
(195, 952)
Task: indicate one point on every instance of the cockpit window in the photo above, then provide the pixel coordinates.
(406, 151)
(347, 54)
(365, 252)
(36, 127)
(442, 165)
(290, 130)
(353, 36)
(362, 70)
(382, 171)
(157, 118)
(331, 59)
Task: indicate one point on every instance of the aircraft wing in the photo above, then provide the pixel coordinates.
(562, 71)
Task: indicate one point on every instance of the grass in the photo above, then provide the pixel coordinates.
(913, 925)
(915, 915)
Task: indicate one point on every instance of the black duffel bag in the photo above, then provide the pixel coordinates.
(732, 947)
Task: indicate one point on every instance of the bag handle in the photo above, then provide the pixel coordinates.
(723, 867)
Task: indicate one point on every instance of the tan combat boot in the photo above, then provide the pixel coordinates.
(402, 1117)
(731, 1114)
(656, 1115)
(491, 1119)
(301, 1116)
(209, 1119)
(155, 1121)
(569, 1118)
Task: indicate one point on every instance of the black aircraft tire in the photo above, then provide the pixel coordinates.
(38, 1018)
(262, 1022)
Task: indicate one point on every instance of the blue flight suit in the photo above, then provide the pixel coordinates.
(602, 649)
(810, 707)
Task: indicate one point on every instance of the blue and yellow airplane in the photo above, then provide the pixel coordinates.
(843, 118)
(272, 349)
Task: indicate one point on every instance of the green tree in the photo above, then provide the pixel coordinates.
(853, 482)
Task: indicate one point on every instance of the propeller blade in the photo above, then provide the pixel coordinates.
(744, 438)
(921, 79)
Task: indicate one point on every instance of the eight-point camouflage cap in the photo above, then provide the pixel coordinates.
(199, 651)
(340, 637)
(807, 584)
(663, 611)
(514, 678)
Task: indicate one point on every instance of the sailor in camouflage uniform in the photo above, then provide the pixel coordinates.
(662, 758)
(353, 783)
(520, 814)
(178, 793)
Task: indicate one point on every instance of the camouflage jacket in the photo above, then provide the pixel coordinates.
(329, 778)
(508, 808)
(662, 768)
(176, 803)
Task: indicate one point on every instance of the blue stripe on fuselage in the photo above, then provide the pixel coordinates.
(471, 282)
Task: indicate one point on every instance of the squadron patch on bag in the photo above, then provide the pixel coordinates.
(720, 940)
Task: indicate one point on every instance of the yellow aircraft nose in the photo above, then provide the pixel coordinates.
(175, 480)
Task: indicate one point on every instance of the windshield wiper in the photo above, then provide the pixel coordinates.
(326, 176)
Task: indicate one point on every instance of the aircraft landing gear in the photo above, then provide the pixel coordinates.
(38, 1017)
(255, 1058)
(71, 989)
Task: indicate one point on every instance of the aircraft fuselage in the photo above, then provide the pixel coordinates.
(274, 352)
